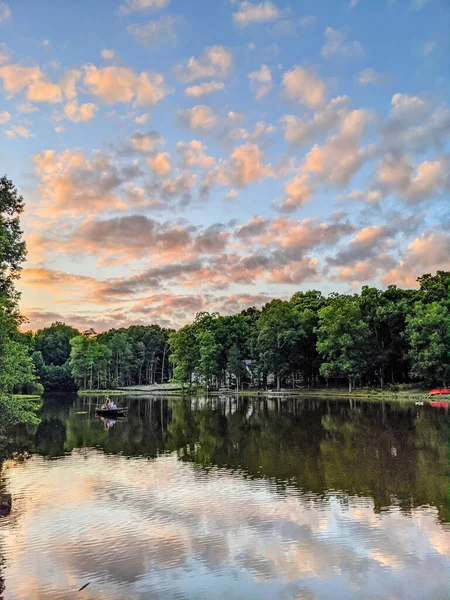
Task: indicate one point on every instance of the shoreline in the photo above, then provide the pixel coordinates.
(413, 395)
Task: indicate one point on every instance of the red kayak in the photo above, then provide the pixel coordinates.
(440, 392)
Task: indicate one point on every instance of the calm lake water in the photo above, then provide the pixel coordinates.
(246, 499)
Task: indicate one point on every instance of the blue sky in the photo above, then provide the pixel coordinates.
(178, 156)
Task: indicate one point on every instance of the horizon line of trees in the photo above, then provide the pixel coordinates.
(375, 338)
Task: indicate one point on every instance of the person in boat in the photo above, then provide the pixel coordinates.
(112, 406)
(107, 403)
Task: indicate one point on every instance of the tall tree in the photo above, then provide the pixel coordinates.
(343, 340)
(429, 342)
(54, 343)
(12, 246)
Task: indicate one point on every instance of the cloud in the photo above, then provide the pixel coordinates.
(341, 156)
(336, 44)
(5, 53)
(415, 184)
(429, 47)
(255, 13)
(194, 154)
(231, 195)
(26, 107)
(306, 269)
(155, 32)
(333, 163)
(121, 84)
(204, 88)
(5, 12)
(142, 5)
(216, 61)
(298, 191)
(370, 76)
(73, 183)
(244, 166)
(298, 131)
(15, 78)
(142, 119)
(160, 164)
(303, 85)
(261, 81)
(142, 143)
(19, 131)
(68, 83)
(108, 54)
(80, 113)
(426, 254)
(4, 117)
(413, 127)
(200, 118)
(42, 90)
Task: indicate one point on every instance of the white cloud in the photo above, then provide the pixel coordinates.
(336, 44)
(231, 195)
(5, 53)
(4, 117)
(154, 32)
(298, 131)
(121, 84)
(216, 61)
(160, 164)
(261, 81)
(304, 86)
(194, 154)
(108, 54)
(204, 88)
(19, 131)
(370, 76)
(80, 113)
(142, 5)
(255, 13)
(199, 118)
(142, 119)
(26, 107)
(5, 12)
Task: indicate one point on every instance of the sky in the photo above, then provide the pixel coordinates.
(180, 156)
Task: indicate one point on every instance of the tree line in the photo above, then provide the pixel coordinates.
(374, 338)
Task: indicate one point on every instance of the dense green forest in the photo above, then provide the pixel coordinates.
(17, 371)
(375, 338)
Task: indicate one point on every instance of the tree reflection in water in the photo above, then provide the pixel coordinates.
(395, 454)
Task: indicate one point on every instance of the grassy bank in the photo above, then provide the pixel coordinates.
(26, 396)
(100, 392)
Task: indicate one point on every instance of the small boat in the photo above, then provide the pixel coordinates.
(111, 413)
(440, 392)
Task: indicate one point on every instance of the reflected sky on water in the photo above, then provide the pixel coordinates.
(224, 499)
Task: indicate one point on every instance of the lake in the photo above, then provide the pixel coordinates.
(235, 498)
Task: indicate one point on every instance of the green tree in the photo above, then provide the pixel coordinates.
(429, 341)
(343, 340)
(278, 333)
(12, 246)
(54, 343)
(185, 354)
